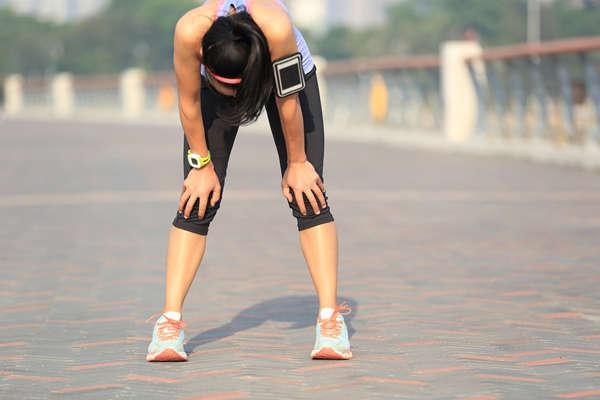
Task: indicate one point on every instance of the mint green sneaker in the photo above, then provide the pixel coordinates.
(167, 340)
(331, 339)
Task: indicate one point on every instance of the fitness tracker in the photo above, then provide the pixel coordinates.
(289, 75)
(196, 160)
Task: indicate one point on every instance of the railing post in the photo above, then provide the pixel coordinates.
(480, 125)
(395, 97)
(567, 95)
(405, 99)
(13, 94)
(321, 64)
(133, 93)
(540, 93)
(438, 106)
(62, 94)
(421, 88)
(519, 97)
(460, 98)
(591, 79)
(499, 97)
(361, 108)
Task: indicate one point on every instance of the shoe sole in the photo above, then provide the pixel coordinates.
(327, 353)
(166, 355)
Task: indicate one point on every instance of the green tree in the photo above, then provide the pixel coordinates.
(419, 26)
(125, 34)
(27, 46)
(140, 33)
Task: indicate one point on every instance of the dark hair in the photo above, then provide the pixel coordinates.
(233, 47)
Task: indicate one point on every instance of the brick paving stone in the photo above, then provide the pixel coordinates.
(469, 277)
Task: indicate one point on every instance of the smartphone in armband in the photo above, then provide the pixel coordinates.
(289, 75)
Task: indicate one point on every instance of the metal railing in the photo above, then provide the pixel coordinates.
(36, 93)
(547, 91)
(161, 92)
(97, 92)
(400, 92)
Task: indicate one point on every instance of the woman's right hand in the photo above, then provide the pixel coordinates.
(198, 185)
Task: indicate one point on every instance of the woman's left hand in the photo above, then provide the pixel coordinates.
(301, 177)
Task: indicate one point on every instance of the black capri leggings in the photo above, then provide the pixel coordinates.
(220, 137)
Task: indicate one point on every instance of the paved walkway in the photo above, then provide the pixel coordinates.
(470, 277)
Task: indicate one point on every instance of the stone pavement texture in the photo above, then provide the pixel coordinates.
(469, 277)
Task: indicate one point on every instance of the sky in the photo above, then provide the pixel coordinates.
(312, 14)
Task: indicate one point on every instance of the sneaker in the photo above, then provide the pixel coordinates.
(331, 340)
(167, 340)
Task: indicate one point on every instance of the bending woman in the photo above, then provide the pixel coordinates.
(231, 59)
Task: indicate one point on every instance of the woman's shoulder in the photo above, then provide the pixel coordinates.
(272, 18)
(191, 26)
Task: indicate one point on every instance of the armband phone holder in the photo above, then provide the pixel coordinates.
(289, 75)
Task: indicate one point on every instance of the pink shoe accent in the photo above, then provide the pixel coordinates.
(168, 329)
(331, 326)
(166, 355)
(327, 353)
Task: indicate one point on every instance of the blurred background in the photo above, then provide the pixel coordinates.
(520, 69)
(471, 277)
(99, 36)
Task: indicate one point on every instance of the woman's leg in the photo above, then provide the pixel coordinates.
(320, 248)
(318, 236)
(187, 237)
(185, 251)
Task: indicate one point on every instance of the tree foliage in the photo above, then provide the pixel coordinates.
(419, 26)
(140, 33)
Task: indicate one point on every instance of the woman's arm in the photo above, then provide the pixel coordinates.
(300, 174)
(282, 42)
(186, 63)
(187, 59)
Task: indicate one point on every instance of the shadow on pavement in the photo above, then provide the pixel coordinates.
(300, 311)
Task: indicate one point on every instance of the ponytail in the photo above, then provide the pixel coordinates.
(235, 47)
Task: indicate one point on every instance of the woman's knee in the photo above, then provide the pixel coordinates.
(309, 222)
(194, 223)
(311, 218)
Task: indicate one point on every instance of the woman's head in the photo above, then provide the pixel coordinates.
(236, 54)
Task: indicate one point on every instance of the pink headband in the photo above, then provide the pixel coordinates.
(231, 81)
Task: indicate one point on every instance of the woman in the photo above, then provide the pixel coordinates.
(231, 59)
